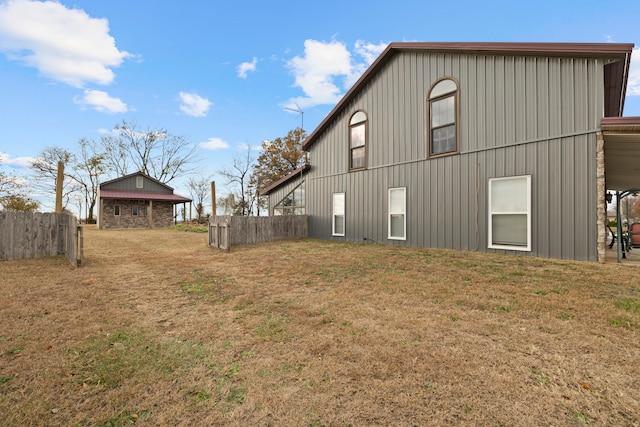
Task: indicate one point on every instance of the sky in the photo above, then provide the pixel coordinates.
(227, 75)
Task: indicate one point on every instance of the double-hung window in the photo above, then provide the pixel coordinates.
(397, 213)
(443, 113)
(510, 213)
(358, 141)
(338, 214)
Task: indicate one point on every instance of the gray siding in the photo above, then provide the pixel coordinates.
(518, 116)
(277, 195)
(128, 183)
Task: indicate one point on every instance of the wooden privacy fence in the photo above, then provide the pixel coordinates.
(37, 234)
(225, 231)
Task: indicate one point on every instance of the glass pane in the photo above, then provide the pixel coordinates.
(509, 230)
(357, 158)
(443, 112)
(509, 195)
(338, 204)
(445, 86)
(357, 136)
(443, 139)
(338, 221)
(358, 117)
(397, 225)
(396, 201)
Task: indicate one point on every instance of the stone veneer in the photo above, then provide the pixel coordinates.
(601, 204)
(162, 214)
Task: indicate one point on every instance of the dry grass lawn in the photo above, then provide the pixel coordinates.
(158, 329)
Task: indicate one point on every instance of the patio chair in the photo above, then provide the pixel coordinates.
(634, 232)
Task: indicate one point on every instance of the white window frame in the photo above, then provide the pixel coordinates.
(139, 182)
(527, 212)
(402, 211)
(338, 208)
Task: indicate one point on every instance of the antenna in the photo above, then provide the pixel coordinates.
(299, 111)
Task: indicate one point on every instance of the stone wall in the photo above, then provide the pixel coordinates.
(150, 214)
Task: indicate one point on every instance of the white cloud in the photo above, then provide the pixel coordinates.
(245, 67)
(214, 144)
(323, 63)
(194, 105)
(101, 101)
(19, 162)
(65, 45)
(633, 84)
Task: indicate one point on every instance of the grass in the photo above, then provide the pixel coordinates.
(158, 329)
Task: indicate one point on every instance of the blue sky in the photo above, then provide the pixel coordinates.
(223, 73)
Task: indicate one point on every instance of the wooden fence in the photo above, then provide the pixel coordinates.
(225, 231)
(37, 234)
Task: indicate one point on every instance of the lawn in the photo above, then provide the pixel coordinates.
(158, 329)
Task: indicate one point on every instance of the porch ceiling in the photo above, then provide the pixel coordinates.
(621, 152)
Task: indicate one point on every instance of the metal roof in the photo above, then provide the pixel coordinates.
(142, 195)
(268, 189)
(616, 72)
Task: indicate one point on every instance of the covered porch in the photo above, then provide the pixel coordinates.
(620, 137)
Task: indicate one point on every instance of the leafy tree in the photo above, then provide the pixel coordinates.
(18, 203)
(277, 159)
(154, 152)
(230, 206)
(199, 189)
(8, 184)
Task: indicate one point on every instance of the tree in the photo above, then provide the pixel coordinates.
(279, 158)
(199, 189)
(157, 153)
(8, 184)
(18, 203)
(87, 172)
(45, 168)
(238, 177)
(229, 205)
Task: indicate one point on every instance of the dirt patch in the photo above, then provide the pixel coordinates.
(158, 329)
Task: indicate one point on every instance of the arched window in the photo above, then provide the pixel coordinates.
(358, 141)
(443, 117)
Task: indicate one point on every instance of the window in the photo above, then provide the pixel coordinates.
(443, 110)
(139, 182)
(397, 213)
(292, 204)
(116, 210)
(510, 213)
(357, 141)
(134, 210)
(338, 214)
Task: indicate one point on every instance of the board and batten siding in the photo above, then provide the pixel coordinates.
(129, 184)
(519, 115)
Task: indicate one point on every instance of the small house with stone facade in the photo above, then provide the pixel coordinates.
(137, 201)
(494, 147)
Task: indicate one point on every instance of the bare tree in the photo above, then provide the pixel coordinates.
(199, 189)
(154, 152)
(88, 170)
(45, 168)
(238, 178)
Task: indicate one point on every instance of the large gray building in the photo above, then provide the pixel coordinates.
(506, 147)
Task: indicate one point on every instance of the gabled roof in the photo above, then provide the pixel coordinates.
(274, 185)
(142, 195)
(137, 174)
(616, 72)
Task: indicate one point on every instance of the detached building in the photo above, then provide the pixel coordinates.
(494, 147)
(137, 201)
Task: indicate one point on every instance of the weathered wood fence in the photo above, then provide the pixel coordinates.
(37, 234)
(225, 231)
